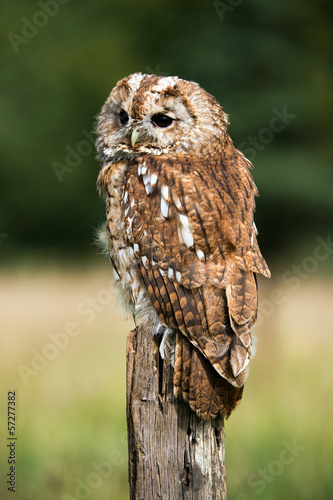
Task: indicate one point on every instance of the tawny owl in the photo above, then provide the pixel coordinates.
(180, 230)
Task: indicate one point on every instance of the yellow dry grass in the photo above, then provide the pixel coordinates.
(71, 425)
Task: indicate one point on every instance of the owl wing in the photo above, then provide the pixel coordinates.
(190, 223)
(195, 216)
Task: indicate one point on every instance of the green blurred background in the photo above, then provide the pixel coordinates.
(261, 60)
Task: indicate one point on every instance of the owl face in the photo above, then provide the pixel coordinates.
(148, 114)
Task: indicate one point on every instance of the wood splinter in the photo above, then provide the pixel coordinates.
(173, 455)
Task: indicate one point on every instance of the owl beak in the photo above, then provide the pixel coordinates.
(134, 136)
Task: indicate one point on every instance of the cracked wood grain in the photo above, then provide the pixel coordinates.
(173, 455)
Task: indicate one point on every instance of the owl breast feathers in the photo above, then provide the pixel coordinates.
(181, 237)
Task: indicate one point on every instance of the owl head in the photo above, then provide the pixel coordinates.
(149, 114)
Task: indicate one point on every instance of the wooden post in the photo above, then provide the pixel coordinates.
(173, 455)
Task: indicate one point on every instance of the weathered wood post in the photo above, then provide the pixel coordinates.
(173, 455)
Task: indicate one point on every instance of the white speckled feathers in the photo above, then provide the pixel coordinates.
(180, 203)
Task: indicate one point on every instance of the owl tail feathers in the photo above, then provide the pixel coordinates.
(196, 381)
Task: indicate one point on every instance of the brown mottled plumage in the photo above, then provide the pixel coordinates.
(181, 236)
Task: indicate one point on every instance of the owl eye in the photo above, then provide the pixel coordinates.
(162, 120)
(123, 117)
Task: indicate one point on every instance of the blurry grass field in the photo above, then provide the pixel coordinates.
(71, 425)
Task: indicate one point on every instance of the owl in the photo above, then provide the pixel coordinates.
(180, 232)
